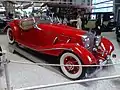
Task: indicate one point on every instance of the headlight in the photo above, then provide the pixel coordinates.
(97, 40)
(86, 41)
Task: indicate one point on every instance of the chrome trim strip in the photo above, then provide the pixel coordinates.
(68, 40)
(36, 26)
(56, 49)
(55, 40)
(47, 49)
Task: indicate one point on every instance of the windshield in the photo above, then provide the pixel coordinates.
(46, 19)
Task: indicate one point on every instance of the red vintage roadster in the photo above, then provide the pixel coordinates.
(72, 46)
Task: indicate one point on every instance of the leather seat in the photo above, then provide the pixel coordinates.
(26, 24)
(90, 24)
(105, 23)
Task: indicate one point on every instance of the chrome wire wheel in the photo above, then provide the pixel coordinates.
(10, 36)
(72, 72)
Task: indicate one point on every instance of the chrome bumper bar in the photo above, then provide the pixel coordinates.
(96, 70)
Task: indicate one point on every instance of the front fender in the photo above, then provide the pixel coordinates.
(85, 56)
(107, 45)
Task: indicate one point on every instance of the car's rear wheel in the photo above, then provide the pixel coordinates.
(72, 72)
(10, 36)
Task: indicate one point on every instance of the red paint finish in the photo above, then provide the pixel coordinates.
(54, 39)
(106, 48)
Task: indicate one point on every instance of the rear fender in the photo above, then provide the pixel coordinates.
(14, 28)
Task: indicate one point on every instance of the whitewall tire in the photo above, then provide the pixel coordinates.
(72, 72)
(10, 36)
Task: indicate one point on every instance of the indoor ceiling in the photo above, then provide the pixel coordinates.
(28, 3)
(24, 4)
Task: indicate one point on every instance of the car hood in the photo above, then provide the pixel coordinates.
(62, 29)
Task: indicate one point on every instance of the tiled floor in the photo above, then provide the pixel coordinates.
(27, 75)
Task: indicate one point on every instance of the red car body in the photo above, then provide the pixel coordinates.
(55, 39)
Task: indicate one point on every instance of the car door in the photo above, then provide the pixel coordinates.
(32, 37)
(56, 38)
(62, 38)
(53, 36)
(49, 37)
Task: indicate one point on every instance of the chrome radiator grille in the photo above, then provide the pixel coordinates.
(91, 37)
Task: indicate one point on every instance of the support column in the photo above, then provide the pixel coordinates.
(9, 7)
(116, 5)
(1, 76)
(1, 69)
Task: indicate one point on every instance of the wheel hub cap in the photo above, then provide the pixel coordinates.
(71, 61)
(10, 35)
(70, 67)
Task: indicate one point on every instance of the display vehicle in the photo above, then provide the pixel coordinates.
(70, 45)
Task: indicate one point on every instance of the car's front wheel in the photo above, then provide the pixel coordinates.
(72, 72)
(10, 36)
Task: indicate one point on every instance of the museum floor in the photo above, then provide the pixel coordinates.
(22, 75)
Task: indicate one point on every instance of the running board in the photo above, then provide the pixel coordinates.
(15, 48)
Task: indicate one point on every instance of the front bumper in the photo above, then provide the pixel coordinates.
(91, 71)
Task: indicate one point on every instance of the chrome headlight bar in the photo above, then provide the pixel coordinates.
(86, 41)
(97, 40)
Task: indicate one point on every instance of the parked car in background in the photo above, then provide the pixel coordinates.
(105, 20)
(3, 23)
(118, 25)
(118, 33)
(70, 45)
